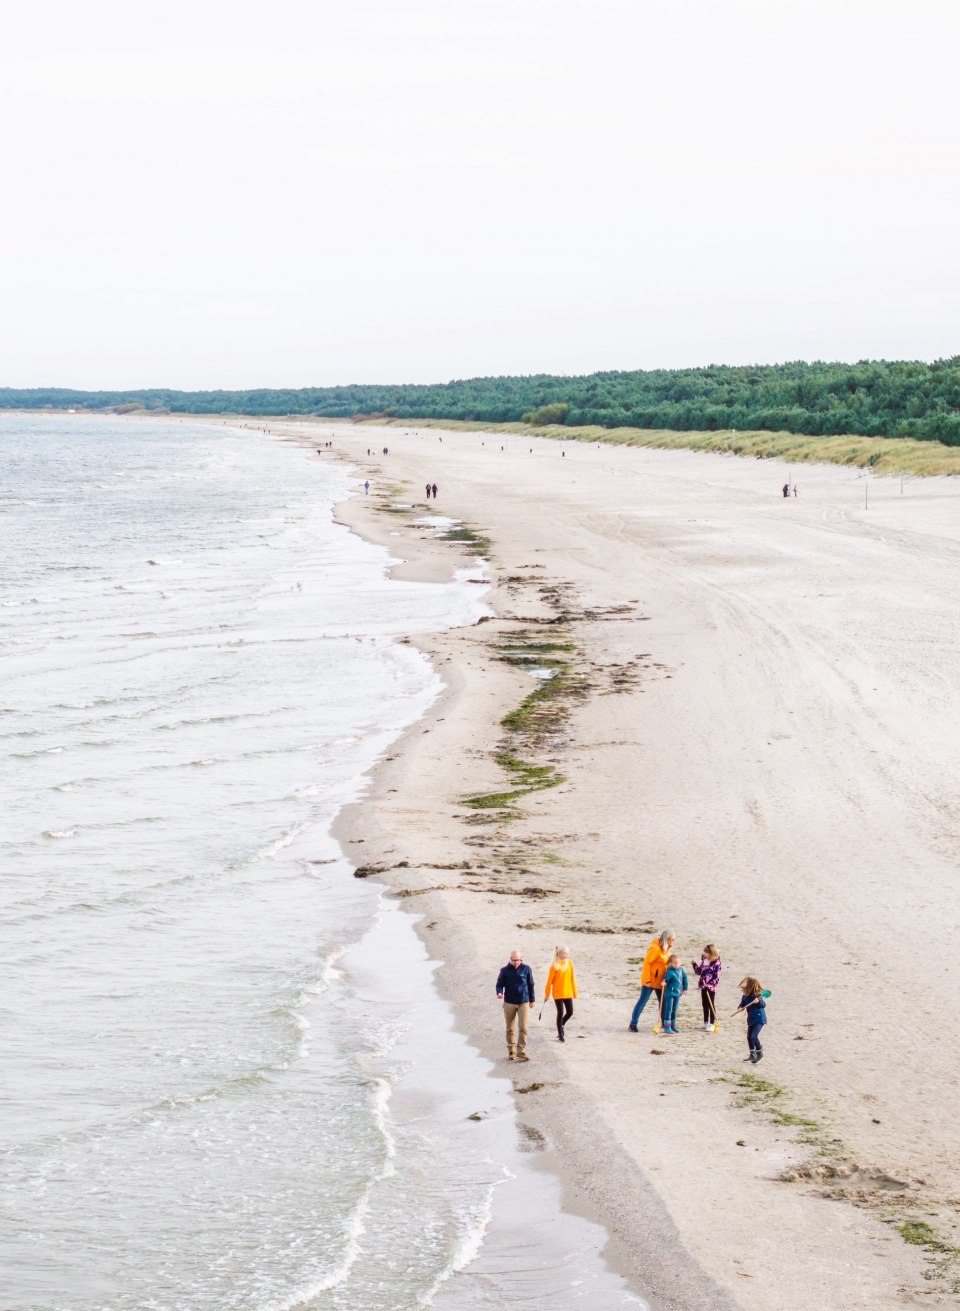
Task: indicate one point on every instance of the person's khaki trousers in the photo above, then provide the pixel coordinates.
(514, 1012)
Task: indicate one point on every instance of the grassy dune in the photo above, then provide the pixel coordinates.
(884, 455)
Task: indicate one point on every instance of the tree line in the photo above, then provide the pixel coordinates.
(873, 398)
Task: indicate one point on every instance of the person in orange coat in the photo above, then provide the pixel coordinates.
(651, 977)
(562, 986)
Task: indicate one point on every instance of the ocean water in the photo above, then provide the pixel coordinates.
(228, 1081)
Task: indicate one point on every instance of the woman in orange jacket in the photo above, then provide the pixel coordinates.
(651, 977)
(562, 986)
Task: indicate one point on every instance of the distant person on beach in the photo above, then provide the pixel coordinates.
(386, 451)
(755, 1006)
(366, 489)
(428, 491)
(794, 489)
(516, 990)
(562, 987)
(674, 986)
(434, 490)
(708, 973)
(651, 976)
(786, 489)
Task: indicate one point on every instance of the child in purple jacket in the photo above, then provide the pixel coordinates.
(708, 972)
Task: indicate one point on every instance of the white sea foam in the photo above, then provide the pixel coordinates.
(467, 1246)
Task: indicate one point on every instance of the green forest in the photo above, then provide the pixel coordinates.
(873, 398)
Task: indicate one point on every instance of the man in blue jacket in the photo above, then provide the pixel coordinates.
(516, 991)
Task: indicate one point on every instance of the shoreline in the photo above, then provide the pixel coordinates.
(666, 1278)
(881, 457)
(616, 1145)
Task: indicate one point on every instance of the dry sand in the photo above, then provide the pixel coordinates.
(764, 751)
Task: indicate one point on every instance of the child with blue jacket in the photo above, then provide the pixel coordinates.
(753, 1003)
(674, 986)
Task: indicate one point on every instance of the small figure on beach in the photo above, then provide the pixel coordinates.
(755, 1006)
(674, 986)
(516, 990)
(708, 974)
(562, 986)
(786, 489)
(386, 451)
(651, 976)
(434, 490)
(366, 488)
(794, 489)
(428, 491)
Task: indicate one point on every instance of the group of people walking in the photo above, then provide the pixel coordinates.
(431, 491)
(662, 976)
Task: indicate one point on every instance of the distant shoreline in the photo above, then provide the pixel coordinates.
(903, 399)
(885, 457)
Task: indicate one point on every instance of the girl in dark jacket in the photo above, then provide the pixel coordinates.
(753, 1003)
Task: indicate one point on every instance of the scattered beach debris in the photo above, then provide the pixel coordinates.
(364, 871)
(531, 1140)
(596, 928)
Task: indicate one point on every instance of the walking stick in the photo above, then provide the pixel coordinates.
(657, 1027)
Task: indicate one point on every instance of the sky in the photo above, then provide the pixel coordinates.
(286, 194)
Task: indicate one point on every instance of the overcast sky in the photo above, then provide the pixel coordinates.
(284, 193)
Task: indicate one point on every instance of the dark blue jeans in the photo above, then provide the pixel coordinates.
(754, 1033)
(671, 1001)
(645, 995)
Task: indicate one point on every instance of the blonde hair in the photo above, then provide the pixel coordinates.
(711, 952)
(556, 954)
(673, 960)
(750, 987)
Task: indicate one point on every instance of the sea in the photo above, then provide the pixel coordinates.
(227, 1079)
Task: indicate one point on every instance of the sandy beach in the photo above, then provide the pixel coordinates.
(757, 741)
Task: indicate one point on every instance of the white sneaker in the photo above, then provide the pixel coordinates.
(708, 1026)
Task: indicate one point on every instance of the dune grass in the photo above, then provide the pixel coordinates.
(884, 455)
